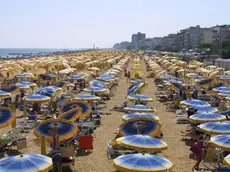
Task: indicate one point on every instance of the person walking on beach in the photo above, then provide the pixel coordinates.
(128, 76)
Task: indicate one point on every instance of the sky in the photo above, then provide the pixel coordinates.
(81, 23)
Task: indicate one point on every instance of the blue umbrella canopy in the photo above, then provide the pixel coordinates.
(192, 75)
(143, 126)
(135, 88)
(69, 84)
(140, 115)
(26, 163)
(142, 143)
(79, 76)
(72, 114)
(96, 83)
(12, 90)
(23, 75)
(30, 84)
(106, 75)
(215, 127)
(224, 77)
(194, 102)
(47, 91)
(66, 129)
(205, 109)
(37, 98)
(22, 86)
(140, 97)
(173, 81)
(221, 141)
(139, 108)
(61, 85)
(206, 117)
(95, 89)
(136, 81)
(106, 79)
(87, 97)
(4, 94)
(142, 163)
(86, 108)
(7, 117)
(166, 76)
(221, 89)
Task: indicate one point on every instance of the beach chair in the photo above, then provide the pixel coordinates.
(85, 143)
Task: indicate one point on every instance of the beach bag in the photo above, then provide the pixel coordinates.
(195, 149)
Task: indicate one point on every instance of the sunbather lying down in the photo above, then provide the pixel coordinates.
(120, 108)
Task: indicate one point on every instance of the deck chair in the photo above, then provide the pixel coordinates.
(85, 143)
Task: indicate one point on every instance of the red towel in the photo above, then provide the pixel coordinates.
(86, 142)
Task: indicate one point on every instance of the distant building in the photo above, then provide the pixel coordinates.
(221, 33)
(137, 38)
(206, 35)
(168, 42)
(121, 46)
(147, 42)
(157, 42)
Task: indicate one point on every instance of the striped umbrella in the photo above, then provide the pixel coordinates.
(206, 117)
(26, 163)
(215, 127)
(142, 126)
(135, 88)
(139, 108)
(72, 114)
(7, 117)
(142, 143)
(221, 141)
(66, 129)
(141, 163)
(140, 116)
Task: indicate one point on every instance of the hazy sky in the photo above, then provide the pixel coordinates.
(80, 23)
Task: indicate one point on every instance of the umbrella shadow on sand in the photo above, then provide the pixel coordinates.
(14, 153)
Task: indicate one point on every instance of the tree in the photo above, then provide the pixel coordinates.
(158, 47)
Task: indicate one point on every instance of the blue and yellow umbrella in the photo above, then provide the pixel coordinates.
(26, 163)
(142, 126)
(106, 79)
(207, 117)
(136, 81)
(227, 160)
(166, 76)
(47, 91)
(221, 141)
(205, 109)
(72, 114)
(30, 84)
(4, 94)
(87, 97)
(79, 76)
(224, 77)
(61, 85)
(135, 88)
(96, 83)
(12, 90)
(142, 143)
(215, 127)
(69, 84)
(95, 89)
(66, 129)
(142, 163)
(140, 97)
(140, 116)
(221, 89)
(37, 98)
(139, 108)
(194, 102)
(86, 108)
(224, 93)
(24, 75)
(23, 87)
(7, 117)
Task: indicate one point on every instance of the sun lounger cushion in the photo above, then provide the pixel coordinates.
(86, 142)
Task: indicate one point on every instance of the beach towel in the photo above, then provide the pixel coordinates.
(86, 142)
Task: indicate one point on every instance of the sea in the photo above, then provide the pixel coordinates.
(23, 52)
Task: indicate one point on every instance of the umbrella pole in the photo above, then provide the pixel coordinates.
(24, 109)
(14, 111)
(43, 145)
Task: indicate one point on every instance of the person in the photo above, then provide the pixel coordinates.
(198, 148)
(128, 76)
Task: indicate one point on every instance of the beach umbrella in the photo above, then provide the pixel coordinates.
(192, 75)
(142, 143)
(37, 98)
(94, 68)
(139, 108)
(135, 88)
(205, 109)
(215, 127)
(166, 76)
(221, 89)
(47, 91)
(221, 141)
(206, 117)
(96, 83)
(95, 90)
(106, 79)
(143, 126)
(140, 116)
(79, 76)
(73, 114)
(12, 90)
(4, 94)
(26, 83)
(224, 77)
(224, 93)
(194, 102)
(87, 97)
(86, 108)
(61, 85)
(227, 160)
(136, 81)
(69, 84)
(26, 163)
(66, 129)
(140, 97)
(7, 117)
(142, 163)
(25, 75)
